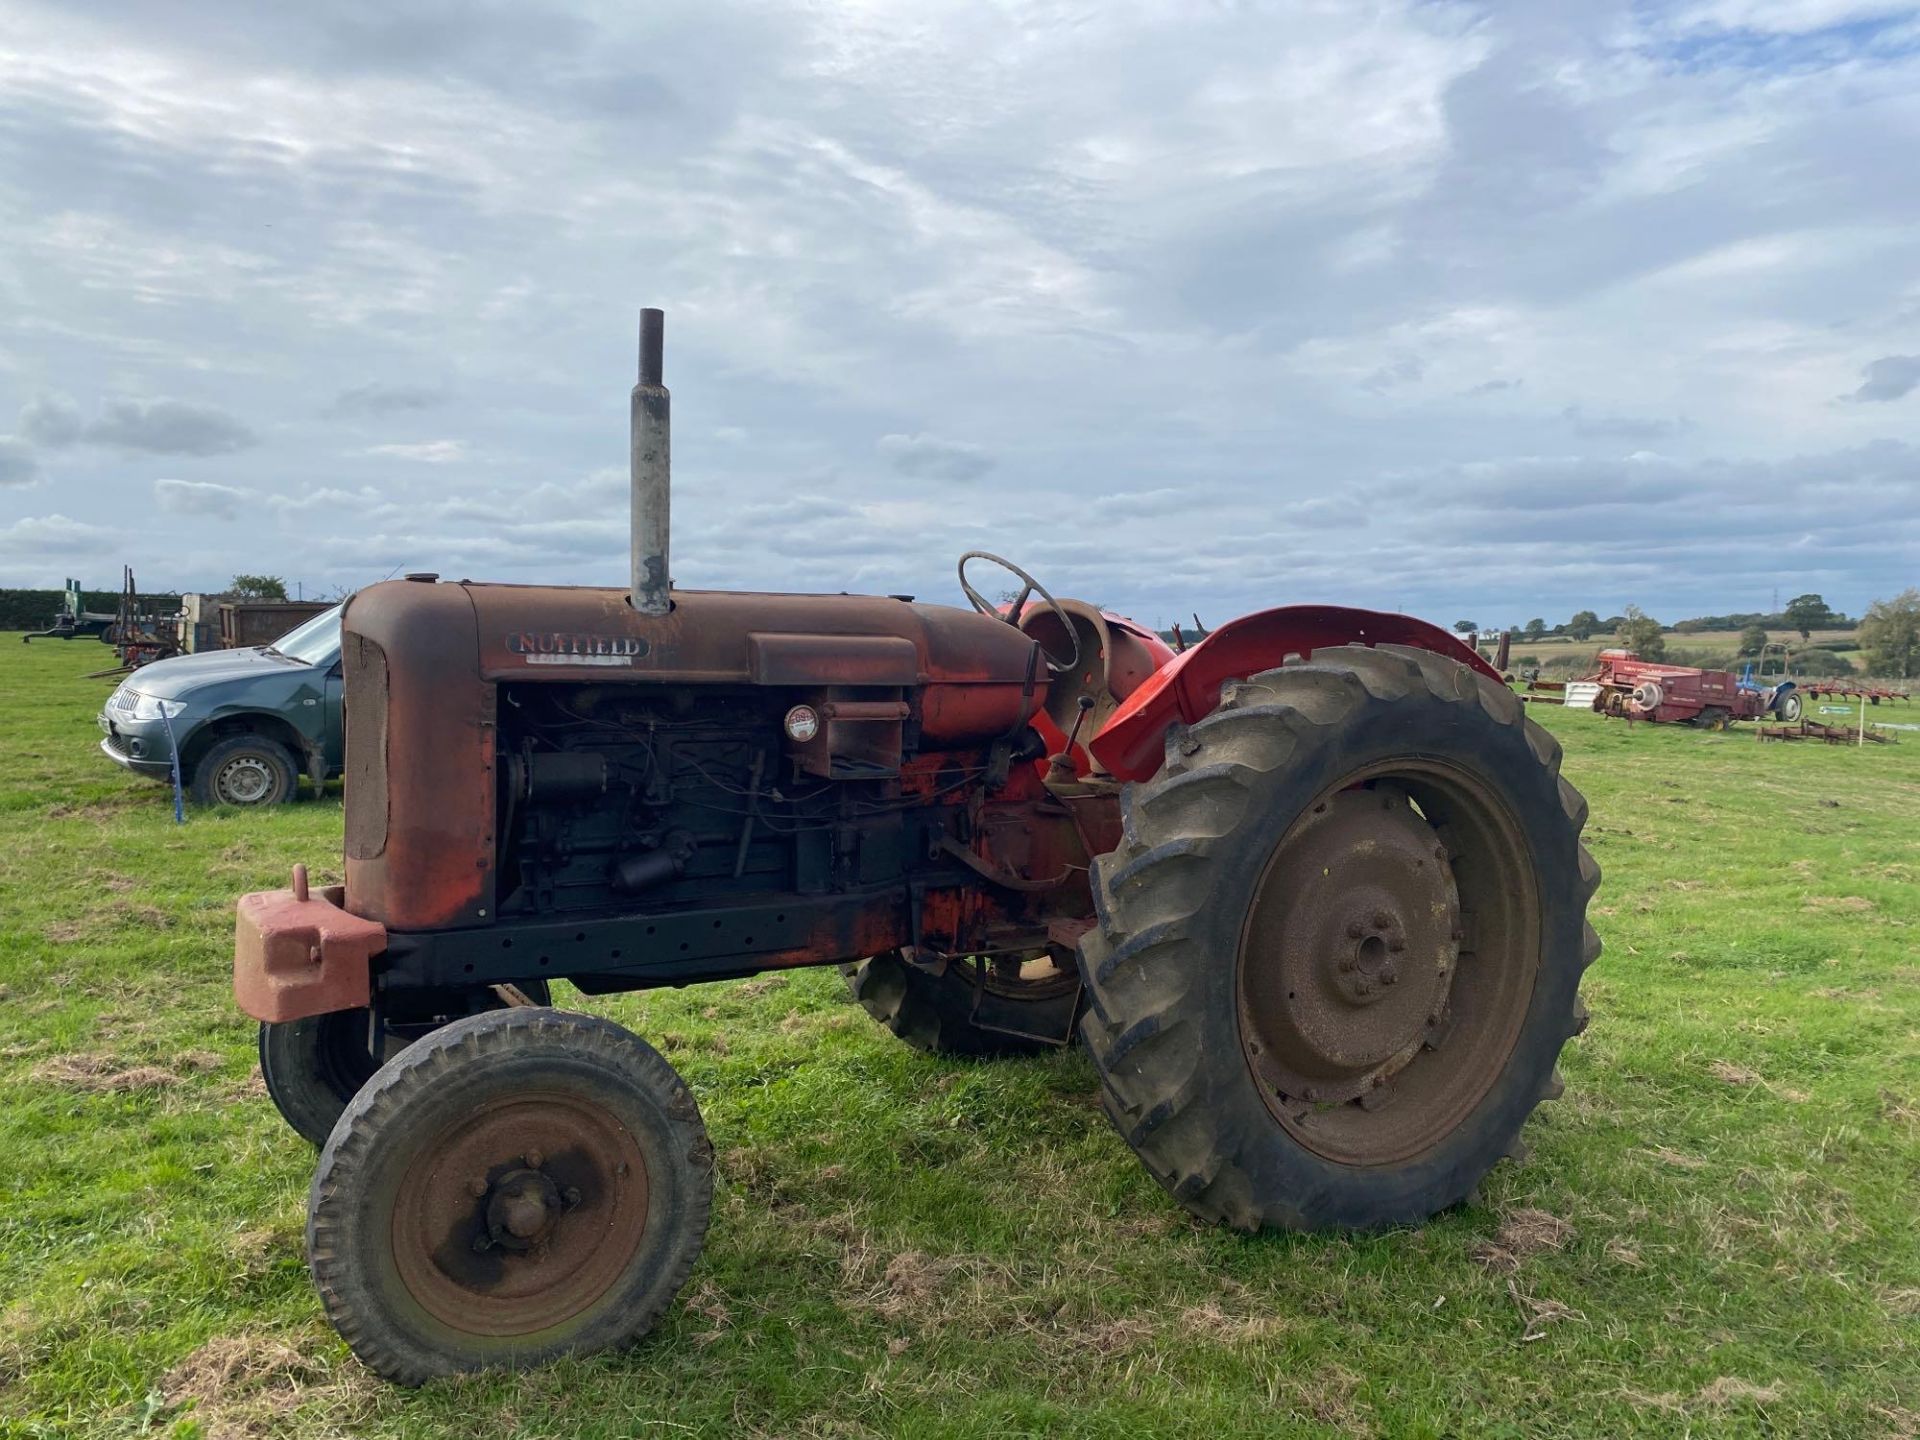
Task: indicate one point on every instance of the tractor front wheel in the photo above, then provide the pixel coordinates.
(515, 1187)
(1340, 944)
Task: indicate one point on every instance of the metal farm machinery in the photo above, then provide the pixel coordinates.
(1311, 892)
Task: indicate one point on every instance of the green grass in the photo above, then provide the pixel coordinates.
(1715, 1235)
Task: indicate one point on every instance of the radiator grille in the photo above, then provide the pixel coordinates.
(365, 691)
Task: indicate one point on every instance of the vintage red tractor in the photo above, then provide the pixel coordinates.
(1312, 892)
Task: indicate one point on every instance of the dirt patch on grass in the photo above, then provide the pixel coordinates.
(1846, 904)
(101, 1074)
(1719, 1394)
(1732, 1390)
(242, 1386)
(1524, 1233)
(200, 1061)
(748, 989)
(1729, 1073)
(96, 809)
(1225, 1328)
(911, 1283)
(710, 1305)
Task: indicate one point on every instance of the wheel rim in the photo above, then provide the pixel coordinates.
(245, 780)
(1388, 961)
(519, 1216)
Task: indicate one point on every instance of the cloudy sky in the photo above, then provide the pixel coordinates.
(1475, 311)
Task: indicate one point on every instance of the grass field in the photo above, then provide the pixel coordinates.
(1715, 1235)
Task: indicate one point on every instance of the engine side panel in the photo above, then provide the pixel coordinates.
(615, 799)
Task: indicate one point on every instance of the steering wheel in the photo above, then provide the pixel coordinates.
(1029, 587)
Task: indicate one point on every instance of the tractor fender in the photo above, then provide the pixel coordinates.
(1132, 744)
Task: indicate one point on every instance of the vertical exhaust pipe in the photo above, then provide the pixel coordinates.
(651, 472)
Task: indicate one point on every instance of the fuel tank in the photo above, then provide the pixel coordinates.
(424, 662)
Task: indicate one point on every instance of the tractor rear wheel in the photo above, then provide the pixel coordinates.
(517, 1186)
(977, 1008)
(1340, 944)
(313, 1066)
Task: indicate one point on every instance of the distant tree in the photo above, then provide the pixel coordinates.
(1890, 636)
(1583, 624)
(1753, 639)
(1465, 627)
(1808, 613)
(258, 587)
(1642, 634)
(1535, 629)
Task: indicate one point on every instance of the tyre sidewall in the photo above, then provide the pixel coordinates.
(308, 1077)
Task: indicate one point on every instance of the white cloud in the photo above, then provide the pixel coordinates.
(426, 452)
(198, 497)
(34, 539)
(927, 457)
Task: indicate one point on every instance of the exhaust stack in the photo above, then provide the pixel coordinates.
(651, 472)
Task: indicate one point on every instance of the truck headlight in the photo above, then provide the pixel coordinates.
(152, 707)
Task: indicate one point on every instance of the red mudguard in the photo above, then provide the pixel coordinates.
(1131, 745)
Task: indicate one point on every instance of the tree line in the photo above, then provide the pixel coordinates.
(1888, 635)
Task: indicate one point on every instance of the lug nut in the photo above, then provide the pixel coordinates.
(476, 1188)
(1381, 920)
(571, 1195)
(1363, 986)
(1354, 930)
(1396, 945)
(1388, 975)
(482, 1243)
(1347, 962)
(534, 1158)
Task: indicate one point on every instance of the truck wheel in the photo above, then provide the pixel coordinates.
(1340, 944)
(245, 770)
(971, 1008)
(515, 1187)
(312, 1067)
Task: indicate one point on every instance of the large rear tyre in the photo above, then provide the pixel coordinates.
(974, 1008)
(313, 1066)
(1340, 944)
(515, 1187)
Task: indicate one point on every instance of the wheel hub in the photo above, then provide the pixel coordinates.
(1350, 953)
(244, 780)
(520, 1215)
(522, 1207)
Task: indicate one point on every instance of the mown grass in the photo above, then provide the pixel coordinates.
(1715, 1234)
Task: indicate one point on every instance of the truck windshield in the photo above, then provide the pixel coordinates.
(317, 640)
